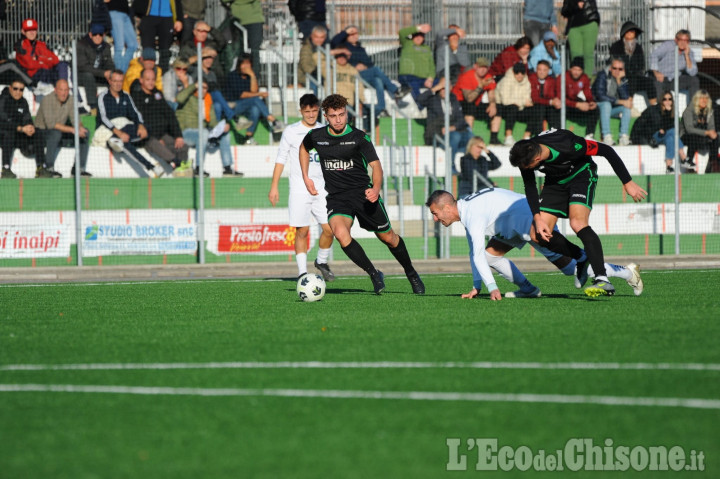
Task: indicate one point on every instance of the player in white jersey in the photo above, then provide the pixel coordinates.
(302, 206)
(506, 217)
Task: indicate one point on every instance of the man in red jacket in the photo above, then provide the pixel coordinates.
(34, 56)
(545, 98)
(579, 101)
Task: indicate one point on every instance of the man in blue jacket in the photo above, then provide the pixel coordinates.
(612, 94)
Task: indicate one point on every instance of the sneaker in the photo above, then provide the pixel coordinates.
(378, 281)
(384, 114)
(42, 172)
(324, 268)
(228, 171)
(581, 272)
(418, 287)
(183, 171)
(600, 288)
(624, 140)
(590, 136)
(116, 145)
(608, 140)
(242, 123)
(8, 174)
(250, 140)
(535, 293)
(669, 169)
(509, 140)
(196, 172)
(82, 173)
(278, 126)
(158, 171)
(636, 283)
(404, 90)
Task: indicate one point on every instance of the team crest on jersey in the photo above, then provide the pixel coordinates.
(578, 146)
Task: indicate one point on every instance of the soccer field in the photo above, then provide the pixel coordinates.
(238, 378)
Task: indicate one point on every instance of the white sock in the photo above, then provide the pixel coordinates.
(509, 271)
(613, 271)
(323, 255)
(301, 260)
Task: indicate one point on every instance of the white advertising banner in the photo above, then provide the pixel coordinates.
(123, 239)
(29, 241)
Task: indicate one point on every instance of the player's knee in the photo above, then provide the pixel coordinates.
(577, 224)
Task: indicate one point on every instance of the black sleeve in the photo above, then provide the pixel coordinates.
(308, 142)
(367, 149)
(494, 161)
(531, 192)
(615, 161)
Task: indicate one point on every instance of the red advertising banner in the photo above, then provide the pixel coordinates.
(257, 239)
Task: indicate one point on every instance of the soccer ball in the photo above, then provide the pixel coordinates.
(311, 287)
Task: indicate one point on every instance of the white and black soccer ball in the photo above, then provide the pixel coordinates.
(311, 287)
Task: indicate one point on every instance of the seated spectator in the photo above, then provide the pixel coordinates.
(697, 131)
(94, 63)
(137, 65)
(174, 81)
(119, 124)
(193, 11)
(580, 105)
(359, 58)
(55, 120)
(241, 87)
(164, 135)
(545, 98)
(630, 51)
(34, 56)
(187, 116)
(656, 126)
(222, 108)
(434, 100)
(345, 75)
(662, 64)
(477, 159)
(546, 50)
(201, 35)
(612, 94)
(469, 90)
(417, 67)
(308, 63)
(18, 131)
(511, 55)
(459, 56)
(308, 15)
(514, 101)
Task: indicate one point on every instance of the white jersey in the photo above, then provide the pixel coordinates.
(495, 212)
(289, 155)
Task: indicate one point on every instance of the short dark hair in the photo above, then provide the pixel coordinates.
(439, 197)
(523, 152)
(543, 62)
(309, 99)
(17, 79)
(117, 71)
(334, 102)
(522, 41)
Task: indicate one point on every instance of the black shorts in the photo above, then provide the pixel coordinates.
(476, 111)
(579, 189)
(372, 216)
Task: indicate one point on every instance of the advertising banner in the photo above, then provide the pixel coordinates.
(117, 239)
(255, 239)
(30, 241)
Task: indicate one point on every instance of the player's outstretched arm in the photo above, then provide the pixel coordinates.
(372, 194)
(635, 191)
(274, 195)
(304, 167)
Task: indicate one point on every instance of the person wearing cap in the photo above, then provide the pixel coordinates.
(470, 89)
(580, 105)
(94, 62)
(459, 60)
(201, 36)
(512, 54)
(174, 80)
(417, 66)
(34, 56)
(546, 50)
(539, 17)
(514, 101)
(161, 19)
(145, 62)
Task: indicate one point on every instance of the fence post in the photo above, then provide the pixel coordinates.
(76, 122)
(201, 164)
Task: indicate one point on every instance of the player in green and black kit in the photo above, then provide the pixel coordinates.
(570, 181)
(345, 154)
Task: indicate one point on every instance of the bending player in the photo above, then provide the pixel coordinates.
(570, 182)
(345, 154)
(505, 216)
(301, 204)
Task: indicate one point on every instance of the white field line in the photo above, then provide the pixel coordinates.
(367, 365)
(691, 403)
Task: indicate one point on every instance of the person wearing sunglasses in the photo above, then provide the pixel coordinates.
(612, 93)
(656, 126)
(94, 62)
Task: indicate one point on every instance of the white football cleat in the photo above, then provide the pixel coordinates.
(535, 293)
(635, 282)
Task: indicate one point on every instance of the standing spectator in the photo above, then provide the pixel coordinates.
(546, 50)
(630, 51)
(18, 131)
(538, 18)
(34, 56)
(580, 105)
(307, 65)
(242, 88)
(164, 135)
(469, 90)
(545, 98)
(187, 115)
(510, 56)
(193, 11)
(101, 15)
(477, 158)
(697, 131)
(308, 15)
(656, 126)
(123, 33)
(417, 67)
(55, 120)
(161, 19)
(250, 15)
(514, 101)
(662, 64)
(201, 35)
(145, 62)
(583, 24)
(459, 56)
(359, 58)
(612, 94)
(94, 63)
(174, 81)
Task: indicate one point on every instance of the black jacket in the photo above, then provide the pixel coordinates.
(13, 112)
(577, 17)
(307, 10)
(635, 64)
(95, 59)
(158, 117)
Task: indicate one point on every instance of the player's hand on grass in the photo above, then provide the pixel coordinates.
(495, 295)
(273, 196)
(635, 191)
(472, 294)
(310, 185)
(372, 195)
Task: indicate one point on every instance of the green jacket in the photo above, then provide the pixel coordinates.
(415, 60)
(247, 11)
(187, 112)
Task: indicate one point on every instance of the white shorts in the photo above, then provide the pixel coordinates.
(303, 206)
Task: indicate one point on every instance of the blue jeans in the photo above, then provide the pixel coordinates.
(458, 142)
(191, 138)
(252, 108)
(415, 84)
(607, 111)
(222, 109)
(124, 37)
(377, 78)
(668, 139)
